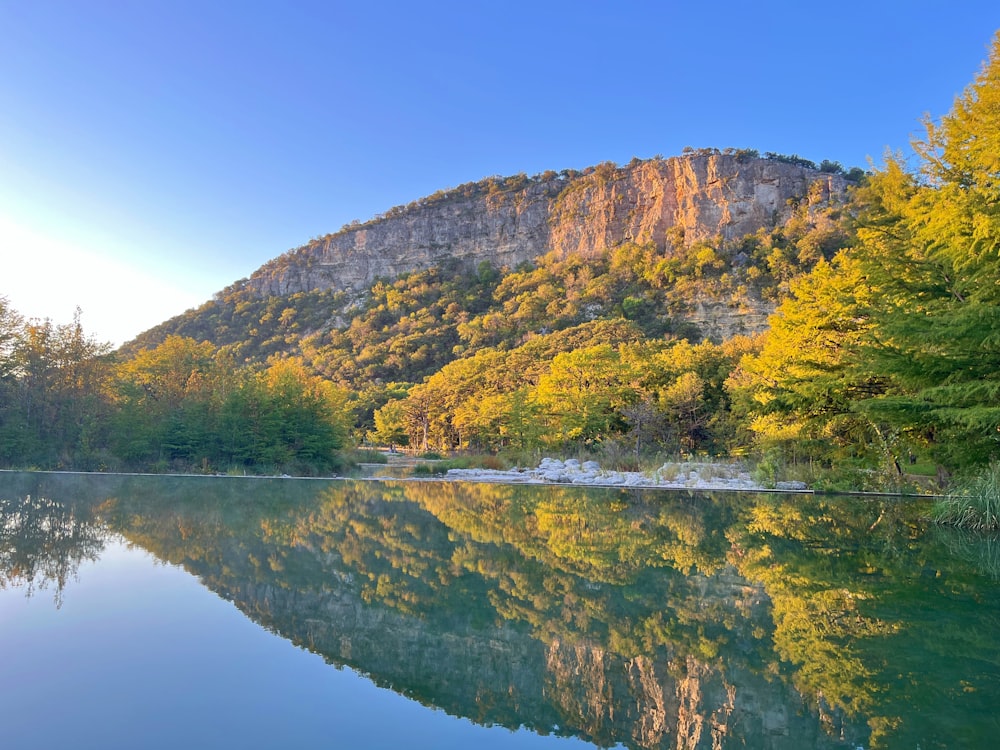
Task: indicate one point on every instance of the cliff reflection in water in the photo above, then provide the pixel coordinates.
(646, 619)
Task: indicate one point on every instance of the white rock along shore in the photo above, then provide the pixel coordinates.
(696, 476)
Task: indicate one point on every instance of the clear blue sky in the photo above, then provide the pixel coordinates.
(154, 151)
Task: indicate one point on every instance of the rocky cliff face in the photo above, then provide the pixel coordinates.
(506, 222)
(684, 199)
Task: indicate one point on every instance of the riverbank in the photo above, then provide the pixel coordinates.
(686, 475)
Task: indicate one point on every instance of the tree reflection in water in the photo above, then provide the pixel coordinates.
(648, 619)
(43, 542)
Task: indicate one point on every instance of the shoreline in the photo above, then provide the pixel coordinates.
(735, 480)
(686, 475)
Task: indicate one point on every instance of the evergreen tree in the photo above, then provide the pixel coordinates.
(897, 342)
(929, 245)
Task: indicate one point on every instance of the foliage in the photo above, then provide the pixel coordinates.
(801, 385)
(558, 390)
(793, 159)
(183, 405)
(250, 327)
(390, 425)
(52, 383)
(407, 330)
(973, 503)
(893, 347)
(937, 270)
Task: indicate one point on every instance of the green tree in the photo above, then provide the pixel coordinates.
(167, 402)
(940, 335)
(284, 419)
(52, 381)
(581, 394)
(896, 342)
(11, 331)
(390, 425)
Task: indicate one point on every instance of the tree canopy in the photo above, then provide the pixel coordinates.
(895, 345)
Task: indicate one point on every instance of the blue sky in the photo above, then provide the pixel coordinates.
(152, 152)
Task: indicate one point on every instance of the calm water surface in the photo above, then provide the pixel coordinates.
(234, 612)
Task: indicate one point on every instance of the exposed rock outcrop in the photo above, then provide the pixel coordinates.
(506, 222)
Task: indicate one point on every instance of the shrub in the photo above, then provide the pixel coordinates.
(428, 470)
(974, 503)
(367, 456)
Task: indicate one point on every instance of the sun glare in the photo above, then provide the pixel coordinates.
(78, 276)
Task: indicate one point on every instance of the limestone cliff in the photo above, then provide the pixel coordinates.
(684, 199)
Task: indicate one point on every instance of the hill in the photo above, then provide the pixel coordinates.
(698, 246)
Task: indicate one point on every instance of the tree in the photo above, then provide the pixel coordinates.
(52, 381)
(801, 387)
(167, 402)
(647, 424)
(284, 419)
(390, 425)
(684, 404)
(897, 341)
(11, 331)
(934, 263)
(581, 393)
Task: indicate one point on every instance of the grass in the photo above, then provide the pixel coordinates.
(427, 470)
(973, 504)
(670, 471)
(440, 467)
(366, 456)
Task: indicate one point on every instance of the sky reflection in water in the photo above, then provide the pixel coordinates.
(140, 655)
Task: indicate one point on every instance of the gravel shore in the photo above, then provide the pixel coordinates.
(688, 475)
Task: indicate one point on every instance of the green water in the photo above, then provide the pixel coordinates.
(159, 612)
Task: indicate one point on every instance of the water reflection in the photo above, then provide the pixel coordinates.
(646, 619)
(43, 542)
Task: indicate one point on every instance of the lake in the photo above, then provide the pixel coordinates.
(151, 612)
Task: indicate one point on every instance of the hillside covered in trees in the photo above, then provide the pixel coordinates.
(463, 355)
(854, 325)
